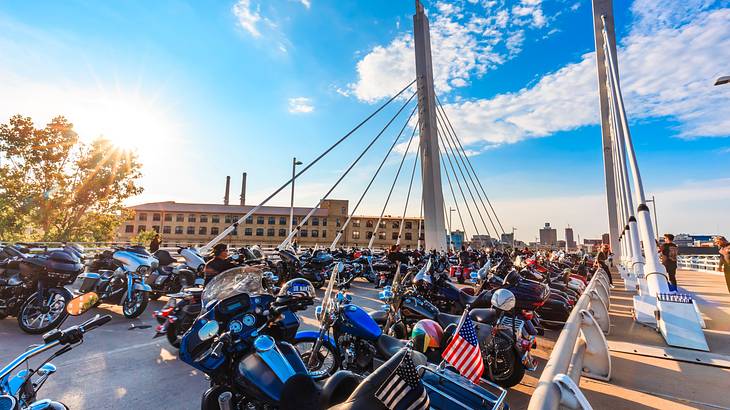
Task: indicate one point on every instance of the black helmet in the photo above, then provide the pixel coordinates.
(296, 289)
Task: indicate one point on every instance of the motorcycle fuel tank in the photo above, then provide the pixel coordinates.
(358, 323)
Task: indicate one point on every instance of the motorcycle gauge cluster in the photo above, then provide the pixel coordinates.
(249, 320)
(235, 326)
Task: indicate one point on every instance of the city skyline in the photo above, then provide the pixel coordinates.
(204, 91)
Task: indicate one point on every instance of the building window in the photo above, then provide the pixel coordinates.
(168, 217)
(324, 221)
(235, 231)
(191, 218)
(369, 234)
(396, 224)
(369, 224)
(272, 221)
(214, 230)
(315, 233)
(202, 230)
(260, 220)
(315, 222)
(421, 236)
(141, 228)
(249, 220)
(190, 230)
(282, 232)
(259, 231)
(248, 232)
(270, 232)
(303, 233)
(344, 210)
(409, 236)
(215, 219)
(204, 218)
(355, 223)
(355, 234)
(142, 216)
(295, 220)
(381, 225)
(282, 220)
(179, 218)
(156, 228)
(409, 225)
(129, 228)
(156, 217)
(227, 219)
(178, 230)
(394, 236)
(166, 229)
(337, 222)
(381, 235)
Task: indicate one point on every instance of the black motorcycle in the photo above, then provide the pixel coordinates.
(290, 267)
(178, 315)
(169, 277)
(32, 287)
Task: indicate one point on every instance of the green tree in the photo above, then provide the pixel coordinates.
(56, 188)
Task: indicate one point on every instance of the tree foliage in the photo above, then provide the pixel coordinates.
(54, 187)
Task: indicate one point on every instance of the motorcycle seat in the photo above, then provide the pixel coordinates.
(482, 300)
(488, 316)
(445, 319)
(388, 346)
(379, 316)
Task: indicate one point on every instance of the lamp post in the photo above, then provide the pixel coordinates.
(513, 237)
(656, 223)
(451, 241)
(294, 164)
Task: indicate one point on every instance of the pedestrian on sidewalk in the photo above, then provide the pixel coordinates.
(724, 265)
(601, 259)
(668, 256)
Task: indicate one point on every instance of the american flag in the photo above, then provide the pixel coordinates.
(463, 352)
(403, 389)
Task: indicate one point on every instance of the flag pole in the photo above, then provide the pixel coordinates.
(442, 365)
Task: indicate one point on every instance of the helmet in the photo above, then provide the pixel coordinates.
(503, 299)
(296, 289)
(426, 334)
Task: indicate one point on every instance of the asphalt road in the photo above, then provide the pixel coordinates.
(120, 365)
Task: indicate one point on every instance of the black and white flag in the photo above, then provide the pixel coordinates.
(403, 389)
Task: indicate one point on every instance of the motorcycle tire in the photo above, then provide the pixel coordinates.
(514, 372)
(331, 352)
(30, 303)
(172, 335)
(140, 309)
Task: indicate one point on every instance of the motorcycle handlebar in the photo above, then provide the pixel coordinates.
(94, 322)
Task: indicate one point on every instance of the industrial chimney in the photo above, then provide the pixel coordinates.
(228, 190)
(243, 190)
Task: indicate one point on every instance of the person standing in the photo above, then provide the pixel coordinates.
(155, 243)
(601, 259)
(668, 256)
(724, 265)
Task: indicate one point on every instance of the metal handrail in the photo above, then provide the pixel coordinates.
(702, 263)
(581, 349)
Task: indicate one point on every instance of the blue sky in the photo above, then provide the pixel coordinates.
(208, 89)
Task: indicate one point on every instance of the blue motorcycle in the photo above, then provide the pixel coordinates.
(239, 339)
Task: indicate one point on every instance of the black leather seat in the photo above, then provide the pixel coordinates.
(445, 319)
(488, 316)
(388, 346)
(379, 316)
(482, 300)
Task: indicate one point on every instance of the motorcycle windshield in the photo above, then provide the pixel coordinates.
(233, 282)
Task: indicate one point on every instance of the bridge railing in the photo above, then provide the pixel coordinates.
(581, 350)
(702, 263)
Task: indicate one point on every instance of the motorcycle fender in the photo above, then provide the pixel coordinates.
(143, 287)
(46, 404)
(308, 334)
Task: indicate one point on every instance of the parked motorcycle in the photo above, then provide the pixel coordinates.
(169, 277)
(124, 285)
(20, 391)
(178, 315)
(290, 267)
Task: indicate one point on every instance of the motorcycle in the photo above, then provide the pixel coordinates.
(290, 267)
(124, 285)
(32, 287)
(20, 391)
(178, 315)
(239, 340)
(169, 277)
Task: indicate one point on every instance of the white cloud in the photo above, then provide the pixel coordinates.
(300, 105)
(248, 17)
(664, 73)
(467, 41)
(306, 3)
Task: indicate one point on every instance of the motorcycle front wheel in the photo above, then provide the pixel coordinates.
(327, 361)
(134, 306)
(39, 316)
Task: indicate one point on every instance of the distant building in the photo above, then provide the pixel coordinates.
(569, 238)
(561, 244)
(593, 244)
(482, 241)
(548, 236)
(457, 239)
(508, 238)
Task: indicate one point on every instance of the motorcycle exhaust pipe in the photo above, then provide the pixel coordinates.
(224, 400)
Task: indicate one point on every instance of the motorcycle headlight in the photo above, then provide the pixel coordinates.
(155, 264)
(143, 270)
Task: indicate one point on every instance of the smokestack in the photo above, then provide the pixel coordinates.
(243, 190)
(228, 190)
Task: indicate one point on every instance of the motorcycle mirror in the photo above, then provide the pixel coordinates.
(208, 330)
(340, 266)
(82, 303)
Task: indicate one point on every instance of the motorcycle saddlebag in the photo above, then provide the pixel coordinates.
(448, 390)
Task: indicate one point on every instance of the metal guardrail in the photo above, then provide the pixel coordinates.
(701, 263)
(581, 350)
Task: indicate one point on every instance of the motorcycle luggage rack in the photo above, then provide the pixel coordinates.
(506, 321)
(449, 390)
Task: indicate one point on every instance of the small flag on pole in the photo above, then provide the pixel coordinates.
(463, 352)
(403, 389)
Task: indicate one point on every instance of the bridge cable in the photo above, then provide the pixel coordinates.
(347, 171)
(451, 138)
(408, 197)
(392, 186)
(453, 195)
(232, 227)
(461, 171)
(438, 103)
(387, 154)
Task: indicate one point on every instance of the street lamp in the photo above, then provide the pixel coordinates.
(653, 205)
(294, 164)
(451, 241)
(513, 237)
(723, 80)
